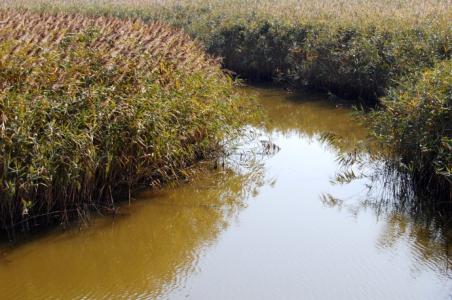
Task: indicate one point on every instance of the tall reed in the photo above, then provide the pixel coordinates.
(90, 107)
(417, 125)
(353, 48)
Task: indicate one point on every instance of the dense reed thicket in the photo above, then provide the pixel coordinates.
(359, 49)
(354, 48)
(90, 107)
(417, 123)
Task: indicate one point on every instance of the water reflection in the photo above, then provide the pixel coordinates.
(310, 118)
(148, 251)
(390, 189)
(429, 246)
(407, 217)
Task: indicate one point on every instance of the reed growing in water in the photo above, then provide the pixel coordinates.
(417, 123)
(90, 107)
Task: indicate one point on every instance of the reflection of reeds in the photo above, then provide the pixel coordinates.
(93, 106)
(391, 187)
(429, 245)
(394, 196)
(169, 233)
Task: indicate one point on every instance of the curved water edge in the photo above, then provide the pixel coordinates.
(276, 222)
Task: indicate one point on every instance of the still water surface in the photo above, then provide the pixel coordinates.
(278, 230)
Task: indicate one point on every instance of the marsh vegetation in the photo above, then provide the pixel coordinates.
(391, 56)
(93, 107)
(278, 224)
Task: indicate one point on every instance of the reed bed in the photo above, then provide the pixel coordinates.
(289, 11)
(358, 49)
(353, 48)
(93, 107)
(417, 123)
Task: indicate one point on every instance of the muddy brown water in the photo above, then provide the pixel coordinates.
(276, 228)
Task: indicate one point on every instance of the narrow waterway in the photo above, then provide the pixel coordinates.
(279, 227)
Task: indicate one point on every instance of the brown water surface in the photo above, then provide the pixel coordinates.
(277, 228)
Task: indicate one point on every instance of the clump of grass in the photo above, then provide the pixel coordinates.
(90, 107)
(417, 124)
